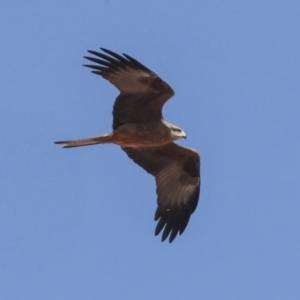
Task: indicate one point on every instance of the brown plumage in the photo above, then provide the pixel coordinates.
(141, 131)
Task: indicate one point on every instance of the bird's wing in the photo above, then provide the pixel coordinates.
(142, 92)
(177, 173)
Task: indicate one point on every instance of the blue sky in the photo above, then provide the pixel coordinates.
(78, 223)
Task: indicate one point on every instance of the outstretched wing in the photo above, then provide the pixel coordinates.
(177, 173)
(142, 92)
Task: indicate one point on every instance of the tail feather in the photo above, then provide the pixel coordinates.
(101, 139)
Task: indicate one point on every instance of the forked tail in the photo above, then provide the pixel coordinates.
(101, 139)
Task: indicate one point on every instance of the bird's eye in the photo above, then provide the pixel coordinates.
(177, 129)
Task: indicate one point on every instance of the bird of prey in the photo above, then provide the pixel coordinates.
(141, 131)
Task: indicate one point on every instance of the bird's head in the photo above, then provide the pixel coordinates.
(177, 133)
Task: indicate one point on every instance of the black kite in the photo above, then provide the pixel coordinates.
(141, 131)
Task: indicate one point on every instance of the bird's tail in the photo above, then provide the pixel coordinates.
(101, 139)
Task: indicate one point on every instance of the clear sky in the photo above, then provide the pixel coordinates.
(78, 223)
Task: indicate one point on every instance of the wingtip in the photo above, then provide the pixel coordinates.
(171, 240)
(107, 51)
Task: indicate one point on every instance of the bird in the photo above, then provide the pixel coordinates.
(142, 133)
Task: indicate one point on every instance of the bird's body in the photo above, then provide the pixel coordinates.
(147, 134)
(141, 131)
